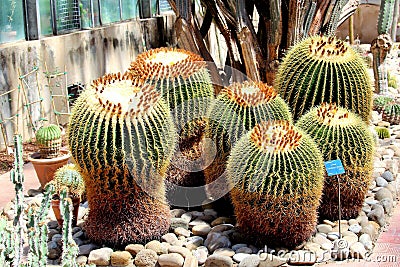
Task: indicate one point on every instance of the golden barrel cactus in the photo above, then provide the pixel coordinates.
(122, 136)
(277, 174)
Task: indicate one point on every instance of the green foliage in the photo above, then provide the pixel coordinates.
(380, 102)
(324, 69)
(385, 18)
(70, 178)
(275, 169)
(391, 113)
(341, 134)
(382, 132)
(129, 137)
(48, 138)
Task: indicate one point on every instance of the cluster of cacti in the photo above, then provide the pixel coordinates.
(236, 110)
(122, 136)
(324, 69)
(382, 132)
(12, 235)
(37, 230)
(277, 175)
(380, 102)
(69, 177)
(48, 138)
(341, 134)
(391, 113)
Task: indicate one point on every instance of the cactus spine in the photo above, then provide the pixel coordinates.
(237, 109)
(129, 139)
(69, 177)
(48, 138)
(276, 171)
(341, 134)
(324, 69)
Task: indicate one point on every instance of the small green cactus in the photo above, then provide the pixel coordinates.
(122, 136)
(324, 69)
(277, 175)
(380, 102)
(236, 110)
(69, 177)
(382, 132)
(392, 80)
(391, 113)
(343, 135)
(48, 138)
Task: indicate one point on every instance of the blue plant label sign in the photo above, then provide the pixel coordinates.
(334, 167)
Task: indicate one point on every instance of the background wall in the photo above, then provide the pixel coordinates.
(86, 55)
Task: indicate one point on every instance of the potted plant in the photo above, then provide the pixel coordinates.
(50, 156)
(69, 178)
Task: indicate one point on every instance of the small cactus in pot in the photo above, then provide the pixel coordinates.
(48, 139)
(67, 178)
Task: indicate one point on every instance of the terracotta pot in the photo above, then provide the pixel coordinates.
(45, 168)
(55, 204)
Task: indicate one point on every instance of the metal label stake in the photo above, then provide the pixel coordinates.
(335, 167)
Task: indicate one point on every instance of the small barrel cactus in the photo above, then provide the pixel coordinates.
(236, 110)
(122, 137)
(69, 177)
(382, 132)
(341, 134)
(380, 102)
(324, 69)
(48, 139)
(391, 113)
(277, 175)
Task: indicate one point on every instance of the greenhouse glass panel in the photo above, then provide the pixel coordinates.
(164, 6)
(67, 16)
(109, 11)
(130, 9)
(11, 21)
(45, 18)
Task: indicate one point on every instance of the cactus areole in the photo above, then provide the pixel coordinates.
(324, 69)
(276, 172)
(122, 136)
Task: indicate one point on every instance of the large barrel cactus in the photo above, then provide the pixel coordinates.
(184, 81)
(277, 175)
(181, 77)
(122, 136)
(343, 135)
(324, 69)
(236, 110)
